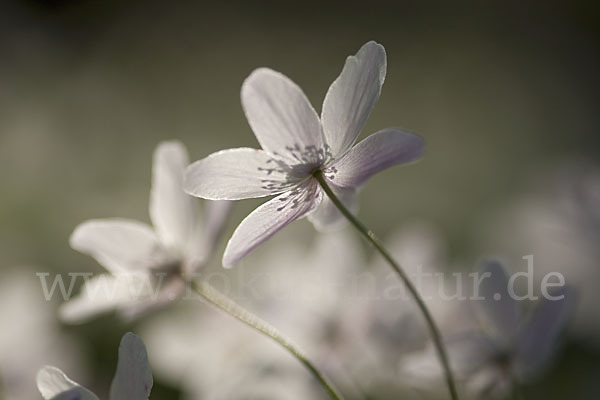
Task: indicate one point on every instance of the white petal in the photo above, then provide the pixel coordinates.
(537, 341)
(71, 394)
(133, 379)
(269, 219)
(216, 215)
(466, 353)
(490, 381)
(168, 291)
(327, 217)
(421, 367)
(100, 294)
(235, 174)
(498, 312)
(120, 244)
(283, 120)
(52, 382)
(203, 244)
(377, 152)
(172, 211)
(351, 97)
(469, 352)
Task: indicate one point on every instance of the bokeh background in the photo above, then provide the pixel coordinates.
(505, 93)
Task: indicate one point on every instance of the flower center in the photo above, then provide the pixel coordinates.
(296, 164)
(168, 270)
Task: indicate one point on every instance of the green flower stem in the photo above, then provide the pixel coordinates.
(224, 303)
(378, 245)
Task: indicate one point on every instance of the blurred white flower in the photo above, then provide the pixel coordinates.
(211, 356)
(559, 224)
(148, 266)
(30, 335)
(327, 301)
(384, 322)
(316, 299)
(132, 381)
(295, 144)
(395, 324)
(508, 347)
(214, 357)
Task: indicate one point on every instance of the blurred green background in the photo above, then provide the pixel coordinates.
(500, 90)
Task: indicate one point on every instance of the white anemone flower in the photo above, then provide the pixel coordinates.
(213, 357)
(558, 222)
(132, 381)
(296, 143)
(210, 356)
(507, 348)
(391, 323)
(148, 265)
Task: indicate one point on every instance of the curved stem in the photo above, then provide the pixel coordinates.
(378, 245)
(224, 303)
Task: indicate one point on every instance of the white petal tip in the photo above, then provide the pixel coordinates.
(373, 44)
(229, 263)
(261, 71)
(170, 145)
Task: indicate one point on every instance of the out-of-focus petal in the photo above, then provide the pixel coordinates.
(466, 353)
(537, 341)
(71, 394)
(379, 151)
(283, 120)
(99, 294)
(133, 378)
(168, 291)
(491, 381)
(54, 384)
(203, 244)
(173, 212)
(270, 218)
(235, 174)
(469, 352)
(327, 217)
(119, 245)
(498, 312)
(216, 214)
(351, 97)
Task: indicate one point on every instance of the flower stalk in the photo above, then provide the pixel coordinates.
(235, 310)
(378, 245)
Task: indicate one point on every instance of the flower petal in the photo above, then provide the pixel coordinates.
(351, 97)
(133, 378)
(498, 311)
(467, 353)
(119, 244)
(269, 219)
(71, 394)
(235, 174)
(100, 294)
(54, 384)
(164, 292)
(283, 120)
(172, 211)
(327, 217)
(203, 244)
(538, 338)
(377, 152)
